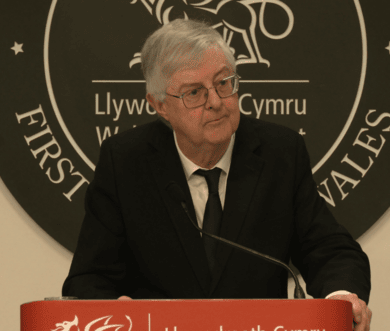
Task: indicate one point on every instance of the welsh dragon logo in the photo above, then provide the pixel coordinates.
(95, 325)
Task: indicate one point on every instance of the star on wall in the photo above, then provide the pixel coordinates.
(17, 48)
(388, 47)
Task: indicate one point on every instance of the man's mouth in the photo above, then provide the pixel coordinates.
(218, 119)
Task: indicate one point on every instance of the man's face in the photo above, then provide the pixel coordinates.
(212, 123)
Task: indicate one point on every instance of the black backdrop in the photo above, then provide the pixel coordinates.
(71, 77)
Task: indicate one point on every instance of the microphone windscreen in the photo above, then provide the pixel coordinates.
(175, 192)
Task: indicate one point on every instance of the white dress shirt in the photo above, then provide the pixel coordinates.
(197, 183)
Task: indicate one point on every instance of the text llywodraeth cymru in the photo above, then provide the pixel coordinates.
(258, 328)
(117, 108)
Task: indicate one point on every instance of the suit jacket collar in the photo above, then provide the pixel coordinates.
(166, 167)
(244, 173)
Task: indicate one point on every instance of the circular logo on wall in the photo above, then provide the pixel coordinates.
(73, 78)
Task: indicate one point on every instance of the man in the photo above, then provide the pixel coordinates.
(136, 240)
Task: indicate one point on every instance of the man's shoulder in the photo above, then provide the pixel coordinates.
(269, 133)
(140, 138)
(276, 144)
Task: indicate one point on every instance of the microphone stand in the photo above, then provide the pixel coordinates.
(178, 195)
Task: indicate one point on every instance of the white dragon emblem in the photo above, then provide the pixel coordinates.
(217, 10)
(71, 326)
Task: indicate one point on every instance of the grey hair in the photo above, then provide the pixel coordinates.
(174, 45)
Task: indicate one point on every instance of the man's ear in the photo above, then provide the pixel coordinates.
(158, 106)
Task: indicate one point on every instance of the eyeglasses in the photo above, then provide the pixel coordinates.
(198, 96)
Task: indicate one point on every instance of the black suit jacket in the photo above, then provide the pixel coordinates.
(137, 241)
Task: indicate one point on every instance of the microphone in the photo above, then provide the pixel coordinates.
(177, 194)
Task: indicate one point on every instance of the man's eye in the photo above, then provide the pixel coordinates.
(193, 93)
(223, 82)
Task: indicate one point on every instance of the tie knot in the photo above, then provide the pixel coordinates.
(212, 178)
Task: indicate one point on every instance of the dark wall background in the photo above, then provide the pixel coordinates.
(71, 77)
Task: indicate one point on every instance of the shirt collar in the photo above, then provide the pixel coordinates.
(190, 167)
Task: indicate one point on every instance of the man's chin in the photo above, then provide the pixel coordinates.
(220, 139)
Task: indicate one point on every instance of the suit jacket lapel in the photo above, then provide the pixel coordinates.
(166, 167)
(243, 178)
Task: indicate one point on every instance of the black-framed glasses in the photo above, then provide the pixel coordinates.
(196, 97)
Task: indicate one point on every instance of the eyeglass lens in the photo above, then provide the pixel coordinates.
(198, 96)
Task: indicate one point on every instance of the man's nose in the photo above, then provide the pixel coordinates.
(213, 99)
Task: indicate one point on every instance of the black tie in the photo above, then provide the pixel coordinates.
(213, 213)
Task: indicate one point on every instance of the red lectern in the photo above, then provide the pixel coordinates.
(187, 315)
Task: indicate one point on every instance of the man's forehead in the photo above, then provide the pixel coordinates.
(185, 77)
